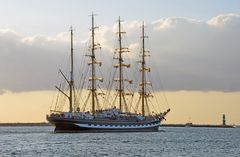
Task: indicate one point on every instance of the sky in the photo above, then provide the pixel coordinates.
(51, 17)
(194, 45)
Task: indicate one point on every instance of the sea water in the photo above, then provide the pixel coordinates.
(169, 141)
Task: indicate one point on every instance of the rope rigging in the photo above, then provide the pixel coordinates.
(118, 91)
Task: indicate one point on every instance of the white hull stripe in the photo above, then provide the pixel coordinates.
(117, 126)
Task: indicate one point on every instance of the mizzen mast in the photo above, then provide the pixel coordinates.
(71, 80)
(71, 83)
(92, 63)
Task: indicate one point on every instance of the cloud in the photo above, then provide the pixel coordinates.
(188, 54)
(199, 55)
(28, 63)
(225, 20)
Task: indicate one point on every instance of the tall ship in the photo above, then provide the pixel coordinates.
(113, 108)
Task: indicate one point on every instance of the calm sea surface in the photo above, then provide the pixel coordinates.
(41, 141)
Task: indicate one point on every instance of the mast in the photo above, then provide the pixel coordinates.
(143, 71)
(71, 80)
(93, 67)
(93, 78)
(120, 63)
(143, 84)
(71, 83)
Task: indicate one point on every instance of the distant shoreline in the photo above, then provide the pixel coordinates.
(198, 125)
(162, 125)
(25, 124)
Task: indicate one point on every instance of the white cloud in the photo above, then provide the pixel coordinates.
(189, 54)
(28, 63)
(224, 20)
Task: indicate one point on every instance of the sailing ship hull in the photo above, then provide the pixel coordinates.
(71, 125)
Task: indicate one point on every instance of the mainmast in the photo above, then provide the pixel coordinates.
(93, 68)
(120, 65)
(71, 83)
(92, 63)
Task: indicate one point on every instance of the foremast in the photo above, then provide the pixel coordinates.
(121, 91)
(143, 84)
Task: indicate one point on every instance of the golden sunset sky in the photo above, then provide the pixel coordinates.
(196, 107)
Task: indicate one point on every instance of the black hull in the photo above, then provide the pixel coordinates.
(73, 129)
(86, 126)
